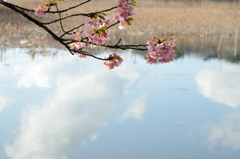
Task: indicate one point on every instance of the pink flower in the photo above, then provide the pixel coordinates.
(172, 38)
(39, 12)
(148, 42)
(98, 23)
(116, 17)
(115, 61)
(151, 60)
(79, 45)
(104, 22)
(77, 34)
(82, 56)
(93, 46)
(98, 34)
(121, 25)
(159, 51)
(92, 23)
(98, 37)
(124, 12)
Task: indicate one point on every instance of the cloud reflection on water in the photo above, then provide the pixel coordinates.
(5, 102)
(227, 133)
(73, 114)
(220, 87)
(136, 109)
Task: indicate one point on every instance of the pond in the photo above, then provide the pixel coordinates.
(58, 106)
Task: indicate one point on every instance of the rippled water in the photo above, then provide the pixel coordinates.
(58, 106)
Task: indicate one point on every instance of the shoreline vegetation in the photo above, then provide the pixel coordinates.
(153, 17)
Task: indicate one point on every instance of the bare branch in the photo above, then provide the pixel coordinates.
(53, 12)
(70, 8)
(69, 31)
(118, 42)
(60, 20)
(67, 42)
(80, 14)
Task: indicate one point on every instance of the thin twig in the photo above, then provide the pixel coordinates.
(53, 12)
(118, 42)
(112, 25)
(60, 20)
(80, 14)
(70, 8)
(68, 32)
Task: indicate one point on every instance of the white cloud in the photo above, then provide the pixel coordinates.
(41, 75)
(4, 102)
(136, 109)
(220, 87)
(84, 98)
(226, 134)
(132, 77)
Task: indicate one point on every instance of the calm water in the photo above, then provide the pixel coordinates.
(59, 106)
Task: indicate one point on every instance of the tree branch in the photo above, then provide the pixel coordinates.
(80, 14)
(67, 42)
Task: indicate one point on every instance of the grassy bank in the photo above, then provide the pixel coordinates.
(206, 18)
(166, 18)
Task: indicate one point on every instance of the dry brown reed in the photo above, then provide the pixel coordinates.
(207, 18)
(152, 18)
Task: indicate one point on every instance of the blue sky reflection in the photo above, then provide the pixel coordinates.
(64, 107)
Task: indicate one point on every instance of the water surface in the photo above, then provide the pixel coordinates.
(58, 106)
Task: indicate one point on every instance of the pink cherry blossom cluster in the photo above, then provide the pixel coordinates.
(97, 22)
(82, 56)
(78, 36)
(79, 45)
(115, 61)
(40, 10)
(161, 50)
(124, 12)
(99, 37)
(98, 34)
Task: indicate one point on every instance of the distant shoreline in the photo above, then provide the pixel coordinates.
(161, 18)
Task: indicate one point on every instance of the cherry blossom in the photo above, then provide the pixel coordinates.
(104, 22)
(92, 23)
(93, 46)
(121, 25)
(82, 56)
(161, 50)
(99, 34)
(99, 37)
(78, 36)
(79, 45)
(98, 21)
(124, 12)
(115, 61)
(39, 11)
